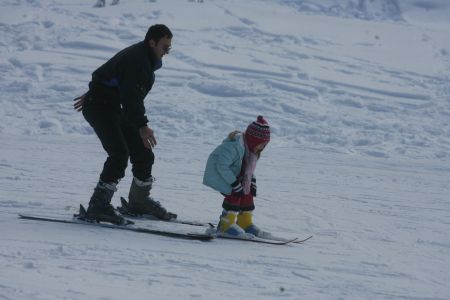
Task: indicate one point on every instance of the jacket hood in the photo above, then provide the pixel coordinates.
(239, 136)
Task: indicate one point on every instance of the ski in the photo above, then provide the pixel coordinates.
(301, 241)
(265, 240)
(295, 241)
(123, 210)
(258, 240)
(130, 227)
(255, 239)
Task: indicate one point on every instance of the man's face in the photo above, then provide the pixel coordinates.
(162, 47)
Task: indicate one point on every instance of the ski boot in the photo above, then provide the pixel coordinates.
(245, 221)
(227, 225)
(140, 202)
(100, 208)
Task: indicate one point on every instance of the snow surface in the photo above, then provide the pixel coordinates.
(357, 94)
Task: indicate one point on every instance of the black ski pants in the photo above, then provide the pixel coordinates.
(121, 141)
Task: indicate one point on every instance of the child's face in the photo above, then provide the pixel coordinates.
(259, 148)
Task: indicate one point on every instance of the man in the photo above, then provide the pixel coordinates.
(114, 107)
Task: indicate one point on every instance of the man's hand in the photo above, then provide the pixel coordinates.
(79, 101)
(147, 137)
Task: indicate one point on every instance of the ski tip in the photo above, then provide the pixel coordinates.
(300, 241)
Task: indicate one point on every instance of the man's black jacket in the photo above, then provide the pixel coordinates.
(124, 81)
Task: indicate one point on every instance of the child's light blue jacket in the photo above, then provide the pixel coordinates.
(224, 164)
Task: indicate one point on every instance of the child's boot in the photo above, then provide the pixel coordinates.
(245, 221)
(227, 224)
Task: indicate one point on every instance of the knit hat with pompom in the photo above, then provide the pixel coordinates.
(257, 133)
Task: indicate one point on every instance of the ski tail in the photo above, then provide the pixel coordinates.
(130, 227)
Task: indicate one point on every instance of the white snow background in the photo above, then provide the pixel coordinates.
(357, 94)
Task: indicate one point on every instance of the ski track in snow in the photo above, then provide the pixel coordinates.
(354, 102)
(358, 100)
(380, 230)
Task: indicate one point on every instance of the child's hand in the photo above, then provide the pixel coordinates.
(253, 187)
(236, 188)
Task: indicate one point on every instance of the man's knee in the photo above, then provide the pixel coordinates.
(121, 160)
(150, 158)
(114, 168)
(142, 166)
(144, 160)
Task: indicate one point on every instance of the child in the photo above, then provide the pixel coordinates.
(230, 171)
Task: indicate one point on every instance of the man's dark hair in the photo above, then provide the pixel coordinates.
(156, 32)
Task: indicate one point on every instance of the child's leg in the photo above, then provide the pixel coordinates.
(246, 203)
(231, 203)
(244, 219)
(227, 224)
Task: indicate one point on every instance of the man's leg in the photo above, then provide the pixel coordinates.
(142, 160)
(106, 125)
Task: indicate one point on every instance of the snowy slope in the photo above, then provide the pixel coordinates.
(358, 98)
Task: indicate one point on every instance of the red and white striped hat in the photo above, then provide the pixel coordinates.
(257, 133)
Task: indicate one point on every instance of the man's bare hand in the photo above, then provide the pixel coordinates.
(147, 136)
(79, 101)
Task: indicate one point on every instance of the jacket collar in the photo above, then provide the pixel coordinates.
(156, 63)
